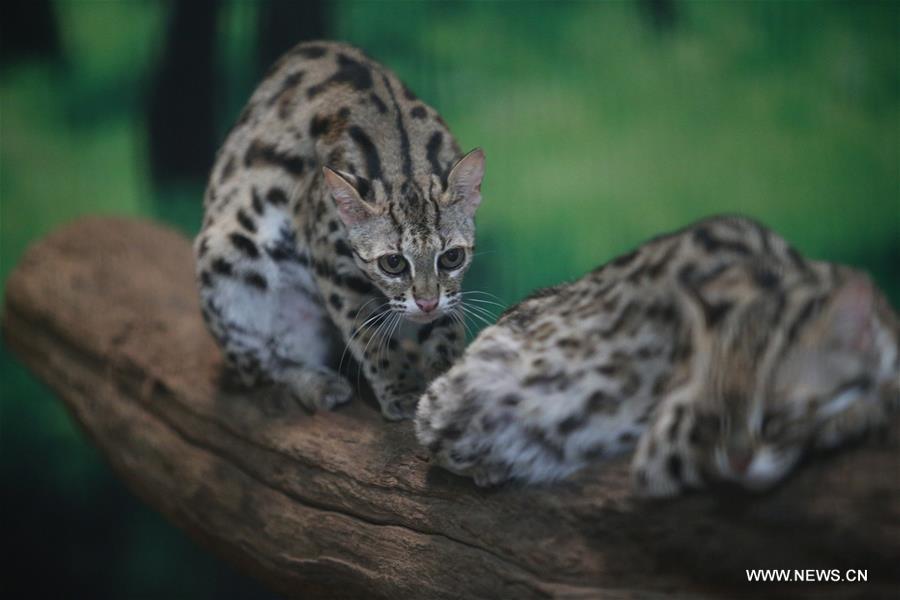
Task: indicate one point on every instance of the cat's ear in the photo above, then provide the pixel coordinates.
(351, 207)
(464, 181)
(847, 319)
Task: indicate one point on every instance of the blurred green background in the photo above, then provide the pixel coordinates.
(604, 123)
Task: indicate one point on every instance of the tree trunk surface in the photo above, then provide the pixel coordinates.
(344, 504)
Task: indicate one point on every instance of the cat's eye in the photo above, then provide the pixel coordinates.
(393, 264)
(452, 259)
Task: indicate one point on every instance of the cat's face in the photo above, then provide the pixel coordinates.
(414, 244)
(813, 383)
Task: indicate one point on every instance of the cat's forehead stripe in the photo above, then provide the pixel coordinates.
(404, 135)
(369, 152)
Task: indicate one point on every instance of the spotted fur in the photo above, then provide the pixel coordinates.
(718, 352)
(332, 166)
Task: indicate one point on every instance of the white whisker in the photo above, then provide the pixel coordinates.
(470, 313)
(481, 311)
(357, 330)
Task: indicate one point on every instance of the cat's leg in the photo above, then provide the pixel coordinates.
(442, 342)
(259, 300)
(668, 458)
(368, 327)
(462, 430)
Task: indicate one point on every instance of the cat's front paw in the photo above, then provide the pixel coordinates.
(487, 476)
(318, 389)
(334, 392)
(662, 472)
(397, 407)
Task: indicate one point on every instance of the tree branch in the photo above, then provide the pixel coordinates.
(345, 504)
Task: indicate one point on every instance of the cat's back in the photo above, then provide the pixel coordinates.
(646, 309)
(709, 257)
(328, 103)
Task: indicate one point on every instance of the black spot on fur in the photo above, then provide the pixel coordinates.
(205, 278)
(544, 379)
(432, 150)
(287, 85)
(246, 221)
(404, 135)
(369, 151)
(510, 400)
(714, 313)
(594, 451)
(336, 301)
(260, 154)
(570, 424)
(350, 71)
(695, 437)
(319, 125)
(418, 112)
(627, 438)
(803, 316)
(676, 423)
(539, 436)
(488, 423)
(341, 248)
(674, 466)
(625, 259)
(704, 238)
(765, 278)
(227, 170)
(244, 244)
(276, 196)
(256, 280)
(378, 102)
(222, 267)
(257, 202)
(425, 332)
(600, 402)
(284, 248)
(451, 433)
(310, 51)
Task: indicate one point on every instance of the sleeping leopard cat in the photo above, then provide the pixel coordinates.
(717, 351)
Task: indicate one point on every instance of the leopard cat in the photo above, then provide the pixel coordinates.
(718, 351)
(339, 215)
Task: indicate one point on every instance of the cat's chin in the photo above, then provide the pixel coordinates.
(422, 318)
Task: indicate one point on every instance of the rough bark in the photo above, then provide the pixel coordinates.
(344, 504)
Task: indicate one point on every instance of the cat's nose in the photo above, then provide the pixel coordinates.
(740, 461)
(427, 305)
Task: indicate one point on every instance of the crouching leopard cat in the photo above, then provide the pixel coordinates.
(339, 215)
(718, 351)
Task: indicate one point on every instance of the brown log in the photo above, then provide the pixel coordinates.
(344, 504)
